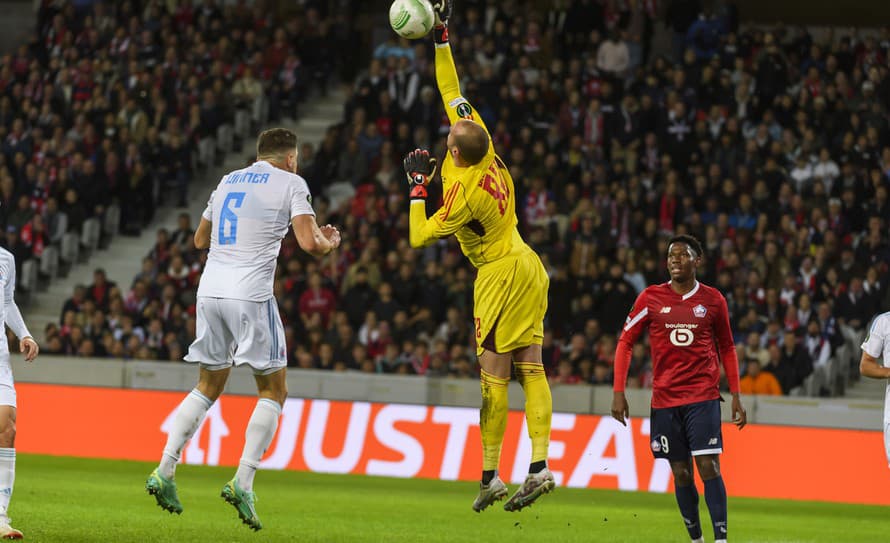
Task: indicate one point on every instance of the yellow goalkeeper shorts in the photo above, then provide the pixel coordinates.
(510, 300)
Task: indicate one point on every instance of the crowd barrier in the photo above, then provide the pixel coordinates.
(441, 442)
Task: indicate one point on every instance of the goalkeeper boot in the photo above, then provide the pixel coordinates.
(243, 501)
(535, 485)
(494, 491)
(8, 532)
(164, 491)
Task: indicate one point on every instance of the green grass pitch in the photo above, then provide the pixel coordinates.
(72, 499)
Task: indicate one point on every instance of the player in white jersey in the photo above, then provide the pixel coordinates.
(9, 314)
(875, 346)
(237, 316)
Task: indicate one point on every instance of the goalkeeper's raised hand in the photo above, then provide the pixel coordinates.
(420, 168)
(442, 10)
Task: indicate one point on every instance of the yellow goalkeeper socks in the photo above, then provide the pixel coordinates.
(493, 418)
(538, 406)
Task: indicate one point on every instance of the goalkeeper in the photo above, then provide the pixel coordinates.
(510, 292)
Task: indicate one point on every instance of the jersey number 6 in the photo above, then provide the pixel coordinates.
(228, 219)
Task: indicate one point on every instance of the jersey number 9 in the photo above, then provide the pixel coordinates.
(228, 219)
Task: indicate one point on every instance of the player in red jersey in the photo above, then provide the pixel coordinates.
(688, 326)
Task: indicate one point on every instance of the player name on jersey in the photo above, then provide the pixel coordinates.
(247, 177)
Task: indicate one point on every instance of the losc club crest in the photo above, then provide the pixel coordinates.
(699, 311)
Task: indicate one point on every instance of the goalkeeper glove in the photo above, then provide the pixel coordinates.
(420, 168)
(442, 11)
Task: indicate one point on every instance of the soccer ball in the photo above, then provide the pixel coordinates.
(411, 19)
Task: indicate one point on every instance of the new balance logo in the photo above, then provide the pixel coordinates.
(665, 309)
(712, 441)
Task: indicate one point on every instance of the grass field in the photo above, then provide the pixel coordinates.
(71, 499)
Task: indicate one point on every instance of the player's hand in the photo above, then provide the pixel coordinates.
(442, 10)
(619, 407)
(331, 234)
(739, 415)
(29, 348)
(420, 168)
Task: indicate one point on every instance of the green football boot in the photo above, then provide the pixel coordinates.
(243, 501)
(164, 491)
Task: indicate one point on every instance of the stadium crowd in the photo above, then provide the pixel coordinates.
(772, 147)
(122, 103)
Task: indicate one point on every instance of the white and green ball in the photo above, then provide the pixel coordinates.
(411, 19)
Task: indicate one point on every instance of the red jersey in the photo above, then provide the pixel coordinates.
(684, 333)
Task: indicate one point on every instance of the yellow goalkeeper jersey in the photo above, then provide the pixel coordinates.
(479, 201)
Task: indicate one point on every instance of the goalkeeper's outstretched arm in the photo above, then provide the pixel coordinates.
(456, 106)
(454, 213)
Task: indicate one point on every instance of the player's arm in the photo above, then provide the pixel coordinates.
(454, 213)
(202, 234)
(315, 240)
(730, 359)
(870, 367)
(456, 106)
(872, 349)
(14, 319)
(636, 322)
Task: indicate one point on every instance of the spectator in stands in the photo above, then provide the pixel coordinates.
(759, 381)
(854, 309)
(100, 290)
(183, 235)
(796, 364)
(819, 351)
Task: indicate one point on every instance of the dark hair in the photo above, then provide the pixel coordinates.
(472, 141)
(690, 242)
(275, 141)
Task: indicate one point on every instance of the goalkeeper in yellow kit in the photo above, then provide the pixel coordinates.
(510, 292)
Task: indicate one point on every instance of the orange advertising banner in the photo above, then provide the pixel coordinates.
(443, 443)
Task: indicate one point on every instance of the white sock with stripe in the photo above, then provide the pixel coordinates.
(188, 417)
(7, 478)
(260, 431)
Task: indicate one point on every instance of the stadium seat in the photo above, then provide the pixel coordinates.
(70, 248)
(112, 220)
(224, 138)
(28, 279)
(242, 124)
(49, 262)
(90, 234)
(207, 152)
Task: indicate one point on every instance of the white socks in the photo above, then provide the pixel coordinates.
(260, 431)
(189, 416)
(7, 478)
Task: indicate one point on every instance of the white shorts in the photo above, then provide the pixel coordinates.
(7, 385)
(238, 332)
